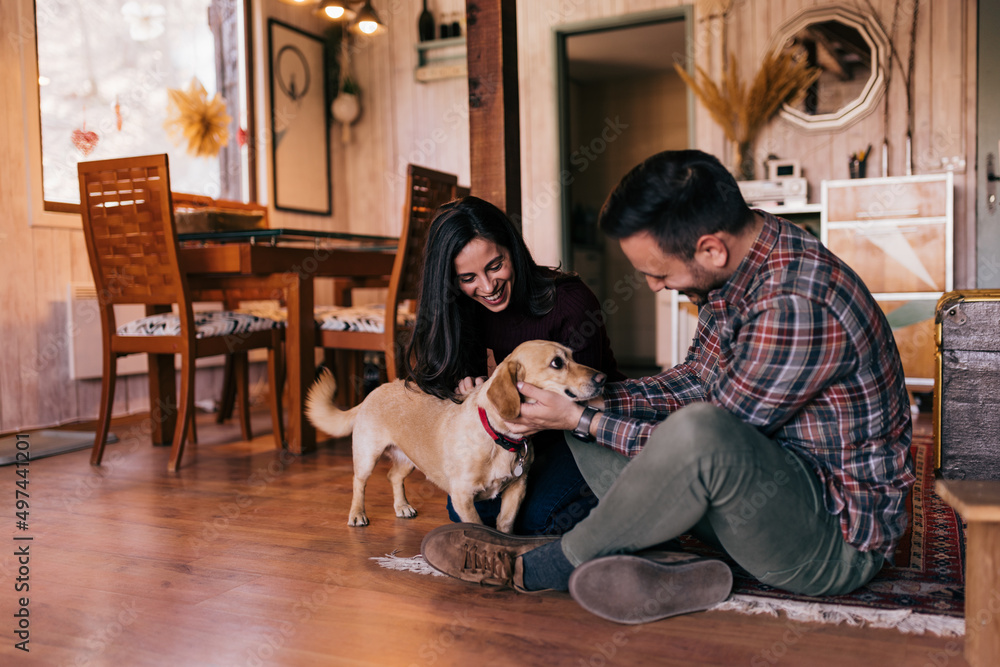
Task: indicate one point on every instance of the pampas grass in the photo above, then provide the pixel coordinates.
(742, 111)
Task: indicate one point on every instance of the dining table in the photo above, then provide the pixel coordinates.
(280, 264)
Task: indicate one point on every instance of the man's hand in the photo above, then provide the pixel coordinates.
(550, 411)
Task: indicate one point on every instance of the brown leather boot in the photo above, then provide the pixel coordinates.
(478, 554)
(633, 589)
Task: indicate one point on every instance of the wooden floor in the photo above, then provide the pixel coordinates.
(244, 558)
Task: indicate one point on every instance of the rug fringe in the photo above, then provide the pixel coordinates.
(415, 564)
(903, 620)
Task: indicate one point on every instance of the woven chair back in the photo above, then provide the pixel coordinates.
(428, 190)
(129, 227)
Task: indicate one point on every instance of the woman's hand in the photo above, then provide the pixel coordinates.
(467, 384)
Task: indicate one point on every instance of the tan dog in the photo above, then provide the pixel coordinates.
(449, 442)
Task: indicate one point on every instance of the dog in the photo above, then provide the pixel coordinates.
(463, 448)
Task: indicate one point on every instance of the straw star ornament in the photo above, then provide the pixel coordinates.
(192, 117)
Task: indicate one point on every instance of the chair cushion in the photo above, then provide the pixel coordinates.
(207, 324)
(369, 319)
(269, 310)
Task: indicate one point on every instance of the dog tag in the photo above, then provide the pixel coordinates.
(518, 469)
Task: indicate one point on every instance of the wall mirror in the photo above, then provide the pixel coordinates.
(850, 48)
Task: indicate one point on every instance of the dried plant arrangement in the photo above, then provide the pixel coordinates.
(203, 123)
(743, 111)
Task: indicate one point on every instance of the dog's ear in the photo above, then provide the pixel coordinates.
(503, 390)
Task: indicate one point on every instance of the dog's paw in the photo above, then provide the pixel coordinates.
(405, 512)
(358, 519)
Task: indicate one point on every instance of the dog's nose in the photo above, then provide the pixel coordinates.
(599, 379)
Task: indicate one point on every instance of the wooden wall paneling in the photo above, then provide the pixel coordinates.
(86, 394)
(402, 94)
(50, 365)
(136, 392)
(965, 180)
(942, 91)
(538, 124)
(966, 260)
(16, 266)
(382, 57)
(372, 203)
(635, 6)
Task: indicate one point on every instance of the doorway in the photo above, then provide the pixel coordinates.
(988, 158)
(620, 101)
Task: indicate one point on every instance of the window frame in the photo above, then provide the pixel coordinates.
(42, 213)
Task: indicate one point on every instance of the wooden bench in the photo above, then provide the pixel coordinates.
(978, 501)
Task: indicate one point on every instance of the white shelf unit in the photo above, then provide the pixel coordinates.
(897, 233)
(441, 59)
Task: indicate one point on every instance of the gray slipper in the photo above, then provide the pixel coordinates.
(632, 590)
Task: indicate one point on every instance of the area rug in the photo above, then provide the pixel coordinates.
(923, 592)
(47, 442)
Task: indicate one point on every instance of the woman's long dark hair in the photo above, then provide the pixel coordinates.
(441, 350)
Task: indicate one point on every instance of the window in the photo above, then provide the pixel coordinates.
(104, 70)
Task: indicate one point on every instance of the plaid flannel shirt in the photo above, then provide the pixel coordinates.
(795, 345)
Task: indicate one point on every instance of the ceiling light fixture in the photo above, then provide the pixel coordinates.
(367, 20)
(359, 15)
(335, 10)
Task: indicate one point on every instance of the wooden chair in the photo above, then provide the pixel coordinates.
(233, 388)
(131, 239)
(370, 329)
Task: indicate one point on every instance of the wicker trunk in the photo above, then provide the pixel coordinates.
(967, 391)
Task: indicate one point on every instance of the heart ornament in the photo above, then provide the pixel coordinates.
(85, 140)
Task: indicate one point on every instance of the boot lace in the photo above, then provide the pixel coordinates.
(494, 567)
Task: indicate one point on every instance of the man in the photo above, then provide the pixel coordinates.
(783, 438)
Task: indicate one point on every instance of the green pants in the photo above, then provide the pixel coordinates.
(705, 472)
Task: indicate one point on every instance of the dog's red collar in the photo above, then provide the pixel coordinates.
(508, 443)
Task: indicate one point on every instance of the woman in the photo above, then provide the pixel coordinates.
(482, 295)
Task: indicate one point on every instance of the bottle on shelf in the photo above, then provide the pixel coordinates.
(444, 30)
(425, 25)
(456, 29)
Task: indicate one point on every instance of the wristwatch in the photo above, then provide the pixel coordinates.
(582, 430)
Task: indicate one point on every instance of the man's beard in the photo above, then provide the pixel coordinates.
(705, 282)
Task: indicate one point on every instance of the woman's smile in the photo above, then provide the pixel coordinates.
(484, 273)
(498, 296)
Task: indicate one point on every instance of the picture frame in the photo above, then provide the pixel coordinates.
(300, 129)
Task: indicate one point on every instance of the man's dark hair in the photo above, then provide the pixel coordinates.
(677, 196)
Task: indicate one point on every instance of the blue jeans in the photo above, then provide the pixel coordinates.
(706, 472)
(557, 497)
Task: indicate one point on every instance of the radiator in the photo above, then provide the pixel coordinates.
(86, 351)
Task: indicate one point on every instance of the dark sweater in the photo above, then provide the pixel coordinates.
(576, 321)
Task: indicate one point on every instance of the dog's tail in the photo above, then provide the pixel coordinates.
(323, 413)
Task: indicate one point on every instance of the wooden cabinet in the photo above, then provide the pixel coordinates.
(897, 234)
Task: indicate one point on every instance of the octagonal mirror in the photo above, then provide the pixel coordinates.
(850, 49)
